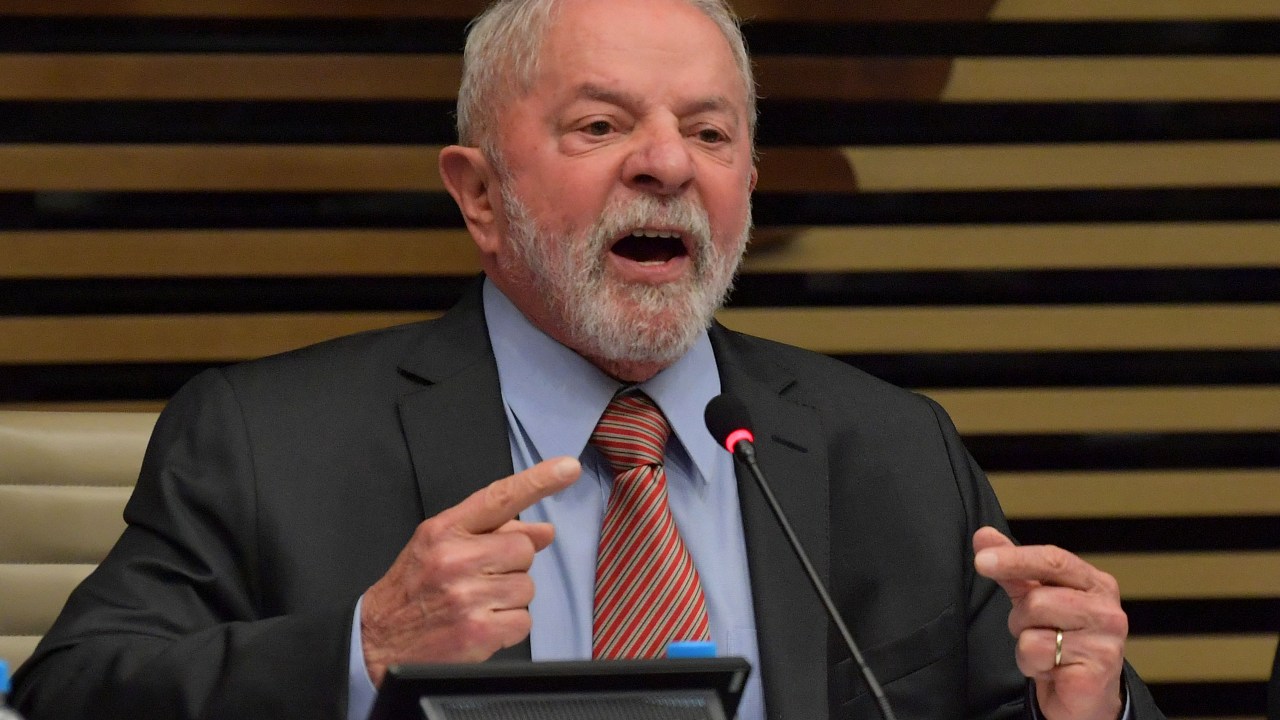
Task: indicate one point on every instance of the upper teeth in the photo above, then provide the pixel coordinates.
(655, 234)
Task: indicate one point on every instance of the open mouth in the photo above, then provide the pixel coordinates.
(650, 247)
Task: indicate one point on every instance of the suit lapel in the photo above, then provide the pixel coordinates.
(791, 623)
(454, 424)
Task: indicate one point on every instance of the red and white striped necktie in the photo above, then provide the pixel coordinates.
(648, 593)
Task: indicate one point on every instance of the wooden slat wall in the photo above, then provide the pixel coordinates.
(1061, 218)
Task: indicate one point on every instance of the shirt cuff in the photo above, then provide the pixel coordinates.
(360, 689)
(1126, 714)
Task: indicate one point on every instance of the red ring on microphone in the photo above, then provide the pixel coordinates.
(738, 436)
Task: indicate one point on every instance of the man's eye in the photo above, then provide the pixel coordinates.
(708, 135)
(599, 128)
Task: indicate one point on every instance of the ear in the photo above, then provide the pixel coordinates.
(468, 176)
(755, 176)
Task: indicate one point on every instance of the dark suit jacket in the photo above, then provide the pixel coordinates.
(274, 493)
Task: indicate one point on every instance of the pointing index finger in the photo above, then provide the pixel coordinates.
(492, 506)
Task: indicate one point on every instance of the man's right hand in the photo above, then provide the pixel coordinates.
(460, 589)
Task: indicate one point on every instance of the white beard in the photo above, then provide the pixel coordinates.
(609, 319)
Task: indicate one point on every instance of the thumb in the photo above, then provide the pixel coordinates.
(541, 534)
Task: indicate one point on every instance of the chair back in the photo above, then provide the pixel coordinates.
(64, 480)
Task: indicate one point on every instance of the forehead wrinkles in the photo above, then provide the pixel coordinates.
(503, 57)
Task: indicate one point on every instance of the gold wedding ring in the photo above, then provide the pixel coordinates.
(1057, 649)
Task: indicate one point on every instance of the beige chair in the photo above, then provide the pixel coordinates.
(64, 480)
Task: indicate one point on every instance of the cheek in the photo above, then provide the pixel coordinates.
(728, 210)
(566, 202)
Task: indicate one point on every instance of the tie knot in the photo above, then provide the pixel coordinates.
(632, 432)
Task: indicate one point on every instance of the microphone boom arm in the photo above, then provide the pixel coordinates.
(746, 453)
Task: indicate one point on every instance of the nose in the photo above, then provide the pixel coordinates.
(660, 163)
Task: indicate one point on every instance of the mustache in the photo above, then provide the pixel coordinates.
(682, 213)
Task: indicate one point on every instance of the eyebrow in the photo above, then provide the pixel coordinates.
(591, 91)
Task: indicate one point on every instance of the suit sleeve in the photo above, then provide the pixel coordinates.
(988, 607)
(172, 623)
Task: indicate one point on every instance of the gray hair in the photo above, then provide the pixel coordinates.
(503, 50)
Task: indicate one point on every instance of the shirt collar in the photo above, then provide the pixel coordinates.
(557, 396)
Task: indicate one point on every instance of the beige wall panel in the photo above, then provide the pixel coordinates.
(83, 450)
(59, 524)
(1012, 247)
(1169, 493)
(1204, 658)
(1113, 78)
(1112, 410)
(32, 595)
(282, 168)
(1084, 165)
(995, 329)
(1073, 10)
(1192, 575)
(235, 253)
(145, 76)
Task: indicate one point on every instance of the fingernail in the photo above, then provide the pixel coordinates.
(985, 561)
(566, 468)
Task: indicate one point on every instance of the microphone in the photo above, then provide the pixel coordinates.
(730, 424)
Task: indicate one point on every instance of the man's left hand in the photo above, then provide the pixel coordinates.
(1053, 590)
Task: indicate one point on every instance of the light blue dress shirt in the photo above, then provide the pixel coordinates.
(553, 398)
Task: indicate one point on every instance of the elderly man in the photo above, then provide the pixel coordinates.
(277, 558)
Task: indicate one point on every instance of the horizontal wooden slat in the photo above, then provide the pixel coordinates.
(1021, 79)
(1138, 493)
(236, 253)
(1112, 410)
(227, 77)
(32, 594)
(87, 406)
(177, 338)
(36, 523)
(246, 8)
(1086, 165)
(995, 329)
(435, 77)
(287, 168)
(1040, 10)
(1192, 575)
(281, 168)
(287, 253)
(1202, 658)
(1012, 247)
(1112, 78)
(1076, 10)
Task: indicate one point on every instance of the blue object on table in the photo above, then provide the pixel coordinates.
(691, 649)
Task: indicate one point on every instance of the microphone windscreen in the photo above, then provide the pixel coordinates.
(725, 414)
